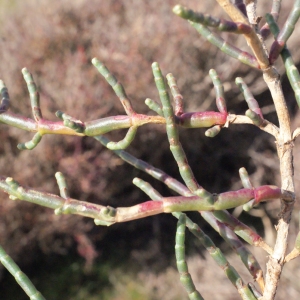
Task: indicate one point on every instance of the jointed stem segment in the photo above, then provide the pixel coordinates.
(154, 106)
(178, 99)
(225, 47)
(182, 267)
(215, 252)
(4, 104)
(238, 227)
(276, 6)
(117, 86)
(34, 95)
(285, 32)
(20, 276)
(172, 132)
(220, 96)
(231, 238)
(291, 70)
(207, 20)
(109, 215)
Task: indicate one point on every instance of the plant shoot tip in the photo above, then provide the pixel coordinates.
(177, 9)
(95, 61)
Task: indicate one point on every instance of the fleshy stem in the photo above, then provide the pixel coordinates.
(36, 110)
(4, 105)
(172, 132)
(72, 126)
(108, 215)
(178, 99)
(239, 228)
(254, 112)
(182, 266)
(265, 30)
(220, 96)
(154, 106)
(225, 47)
(247, 185)
(156, 173)
(205, 240)
(291, 70)
(34, 95)
(115, 84)
(207, 20)
(242, 56)
(220, 101)
(21, 278)
(120, 92)
(251, 38)
(62, 184)
(180, 117)
(245, 255)
(285, 32)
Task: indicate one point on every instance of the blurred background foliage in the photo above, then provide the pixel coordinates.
(67, 256)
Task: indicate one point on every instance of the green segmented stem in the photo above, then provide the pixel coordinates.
(178, 99)
(149, 169)
(117, 86)
(285, 32)
(231, 238)
(34, 95)
(154, 106)
(201, 119)
(62, 184)
(290, 67)
(246, 256)
(71, 122)
(239, 228)
(254, 117)
(31, 144)
(225, 47)
(59, 204)
(252, 103)
(275, 10)
(205, 240)
(172, 132)
(101, 126)
(4, 105)
(192, 203)
(111, 215)
(123, 144)
(20, 277)
(17, 121)
(220, 96)
(212, 132)
(185, 277)
(290, 23)
(242, 230)
(245, 178)
(147, 189)
(207, 20)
